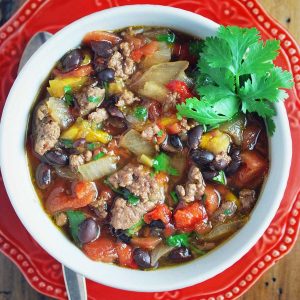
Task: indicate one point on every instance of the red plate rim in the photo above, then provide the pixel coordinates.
(291, 52)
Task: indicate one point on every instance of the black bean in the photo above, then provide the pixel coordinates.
(220, 164)
(107, 75)
(71, 60)
(43, 176)
(180, 254)
(88, 231)
(202, 157)
(122, 236)
(209, 174)
(142, 258)
(114, 111)
(102, 48)
(233, 167)
(175, 141)
(194, 136)
(157, 224)
(56, 157)
(235, 163)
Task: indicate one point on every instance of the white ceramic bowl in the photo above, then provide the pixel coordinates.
(24, 198)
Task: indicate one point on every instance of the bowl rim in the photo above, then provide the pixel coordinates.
(115, 281)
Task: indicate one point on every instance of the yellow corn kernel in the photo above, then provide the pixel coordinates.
(146, 160)
(232, 198)
(56, 86)
(98, 136)
(215, 141)
(71, 133)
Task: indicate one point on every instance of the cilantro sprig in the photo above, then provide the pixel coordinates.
(236, 73)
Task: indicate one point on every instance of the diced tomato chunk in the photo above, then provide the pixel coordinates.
(79, 72)
(103, 249)
(101, 36)
(58, 200)
(211, 199)
(160, 212)
(146, 50)
(181, 88)
(125, 255)
(254, 168)
(188, 217)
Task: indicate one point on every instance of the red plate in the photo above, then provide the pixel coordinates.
(39, 268)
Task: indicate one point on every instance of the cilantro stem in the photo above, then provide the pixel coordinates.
(237, 82)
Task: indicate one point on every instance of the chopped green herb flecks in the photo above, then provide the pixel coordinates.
(160, 133)
(220, 178)
(135, 228)
(168, 37)
(93, 99)
(68, 96)
(75, 219)
(174, 197)
(92, 146)
(178, 240)
(98, 155)
(162, 162)
(227, 212)
(141, 113)
(67, 143)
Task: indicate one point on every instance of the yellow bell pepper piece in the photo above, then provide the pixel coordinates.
(56, 86)
(146, 160)
(98, 136)
(71, 133)
(116, 87)
(165, 121)
(232, 198)
(215, 141)
(82, 129)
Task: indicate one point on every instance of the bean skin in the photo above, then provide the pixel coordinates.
(43, 176)
(202, 157)
(194, 136)
(180, 254)
(142, 258)
(71, 60)
(56, 157)
(88, 231)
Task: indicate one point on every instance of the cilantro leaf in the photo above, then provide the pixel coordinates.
(267, 86)
(239, 40)
(206, 113)
(236, 72)
(259, 58)
(270, 125)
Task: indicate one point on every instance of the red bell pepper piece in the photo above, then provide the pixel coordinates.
(160, 212)
(181, 88)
